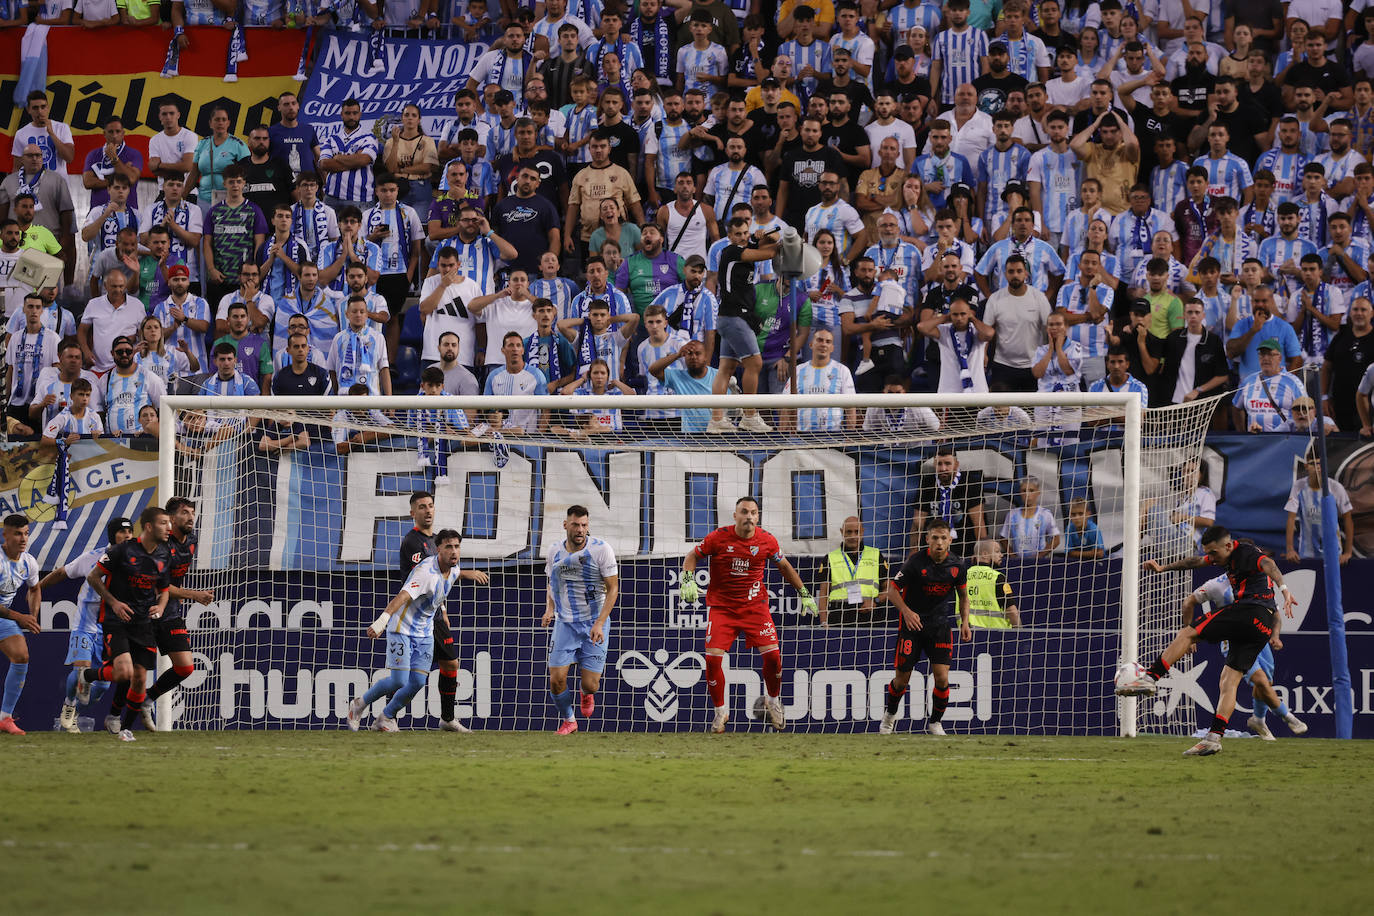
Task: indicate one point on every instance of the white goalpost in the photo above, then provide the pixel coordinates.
(301, 550)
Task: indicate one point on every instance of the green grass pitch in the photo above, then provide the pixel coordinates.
(333, 822)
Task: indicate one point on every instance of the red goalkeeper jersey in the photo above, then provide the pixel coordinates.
(737, 568)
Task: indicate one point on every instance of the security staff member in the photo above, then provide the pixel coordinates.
(855, 577)
(992, 603)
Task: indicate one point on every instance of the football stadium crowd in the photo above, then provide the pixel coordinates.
(1166, 197)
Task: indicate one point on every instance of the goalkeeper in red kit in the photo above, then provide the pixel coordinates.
(737, 603)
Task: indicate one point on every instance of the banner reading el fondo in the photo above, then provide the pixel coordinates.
(105, 480)
(385, 77)
(97, 74)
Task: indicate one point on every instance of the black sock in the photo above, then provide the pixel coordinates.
(448, 691)
(894, 698)
(1218, 725)
(1158, 669)
(121, 696)
(939, 699)
(166, 681)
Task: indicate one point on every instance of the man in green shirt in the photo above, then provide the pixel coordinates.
(1166, 309)
(649, 271)
(33, 235)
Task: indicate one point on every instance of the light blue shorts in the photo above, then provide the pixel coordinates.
(573, 643)
(9, 628)
(409, 653)
(84, 647)
(1264, 662)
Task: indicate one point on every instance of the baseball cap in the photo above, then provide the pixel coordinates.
(1015, 187)
(1141, 306)
(961, 187)
(904, 53)
(122, 338)
(178, 270)
(770, 82)
(117, 525)
(997, 47)
(1271, 343)
(503, 97)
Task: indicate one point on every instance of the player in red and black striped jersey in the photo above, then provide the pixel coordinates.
(924, 591)
(133, 580)
(1246, 625)
(173, 639)
(416, 546)
(737, 602)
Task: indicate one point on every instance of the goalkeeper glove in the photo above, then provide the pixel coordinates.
(808, 604)
(687, 587)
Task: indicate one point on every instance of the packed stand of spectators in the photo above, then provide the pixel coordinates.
(1171, 198)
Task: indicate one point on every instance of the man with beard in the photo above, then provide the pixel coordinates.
(860, 317)
(527, 220)
(1196, 83)
(886, 124)
(126, 388)
(1247, 124)
(952, 494)
(649, 271)
(269, 178)
(994, 85)
(799, 179)
(346, 159)
(1018, 313)
(1348, 357)
(292, 142)
(846, 136)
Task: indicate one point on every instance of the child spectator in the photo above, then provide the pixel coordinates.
(1031, 530)
(599, 420)
(437, 422)
(1082, 540)
(76, 420)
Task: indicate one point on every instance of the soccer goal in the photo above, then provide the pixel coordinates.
(301, 550)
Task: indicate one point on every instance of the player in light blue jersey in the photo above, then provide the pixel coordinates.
(1218, 593)
(584, 581)
(84, 644)
(408, 623)
(17, 569)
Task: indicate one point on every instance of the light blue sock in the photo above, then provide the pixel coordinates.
(385, 687)
(1284, 711)
(414, 682)
(72, 678)
(564, 702)
(14, 685)
(1261, 710)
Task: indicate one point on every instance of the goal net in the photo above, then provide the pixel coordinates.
(300, 548)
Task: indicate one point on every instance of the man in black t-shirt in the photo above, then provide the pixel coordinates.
(952, 495)
(270, 181)
(994, 86)
(624, 139)
(799, 178)
(1241, 117)
(737, 326)
(922, 592)
(1348, 355)
(1320, 72)
(845, 136)
(133, 581)
(173, 638)
(1245, 625)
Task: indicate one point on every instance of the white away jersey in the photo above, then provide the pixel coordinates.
(577, 579)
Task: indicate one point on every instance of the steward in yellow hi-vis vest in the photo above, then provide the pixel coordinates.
(992, 603)
(853, 578)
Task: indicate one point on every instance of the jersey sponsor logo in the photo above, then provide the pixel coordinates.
(739, 566)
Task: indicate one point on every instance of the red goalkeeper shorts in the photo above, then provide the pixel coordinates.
(754, 624)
